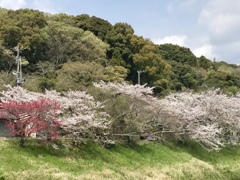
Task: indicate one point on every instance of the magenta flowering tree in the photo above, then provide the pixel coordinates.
(26, 118)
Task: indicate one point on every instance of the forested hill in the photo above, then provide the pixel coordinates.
(70, 52)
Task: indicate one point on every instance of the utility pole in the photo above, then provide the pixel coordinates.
(139, 73)
(18, 73)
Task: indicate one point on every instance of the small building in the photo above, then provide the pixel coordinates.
(4, 130)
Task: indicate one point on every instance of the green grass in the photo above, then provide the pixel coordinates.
(145, 160)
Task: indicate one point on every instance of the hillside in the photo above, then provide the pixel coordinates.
(65, 52)
(87, 80)
(140, 161)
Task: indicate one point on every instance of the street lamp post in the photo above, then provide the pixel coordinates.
(139, 73)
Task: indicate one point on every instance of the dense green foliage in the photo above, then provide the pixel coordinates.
(55, 44)
(145, 160)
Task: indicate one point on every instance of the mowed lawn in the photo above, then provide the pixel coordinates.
(145, 160)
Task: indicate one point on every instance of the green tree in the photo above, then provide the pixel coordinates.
(137, 43)
(151, 62)
(93, 48)
(119, 38)
(78, 75)
(99, 27)
(204, 63)
(62, 42)
(188, 81)
(221, 79)
(6, 78)
(66, 42)
(232, 90)
(115, 73)
(46, 83)
(182, 74)
(62, 17)
(23, 27)
(177, 53)
(6, 59)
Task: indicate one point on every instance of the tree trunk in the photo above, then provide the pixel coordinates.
(22, 141)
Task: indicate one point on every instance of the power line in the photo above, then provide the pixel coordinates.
(18, 73)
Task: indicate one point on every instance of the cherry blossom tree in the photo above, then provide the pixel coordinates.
(19, 94)
(134, 110)
(78, 112)
(81, 115)
(210, 118)
(119, 110)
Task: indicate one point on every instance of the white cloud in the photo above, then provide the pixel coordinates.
(12, 4)
(221, 19)
(205, 50)
(175, 39)
(199, 46)
(41, 5)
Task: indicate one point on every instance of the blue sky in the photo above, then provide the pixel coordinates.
(208, 27)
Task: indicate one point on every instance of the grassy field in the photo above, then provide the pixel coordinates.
(146, 160)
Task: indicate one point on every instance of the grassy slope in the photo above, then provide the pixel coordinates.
(143, 161)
